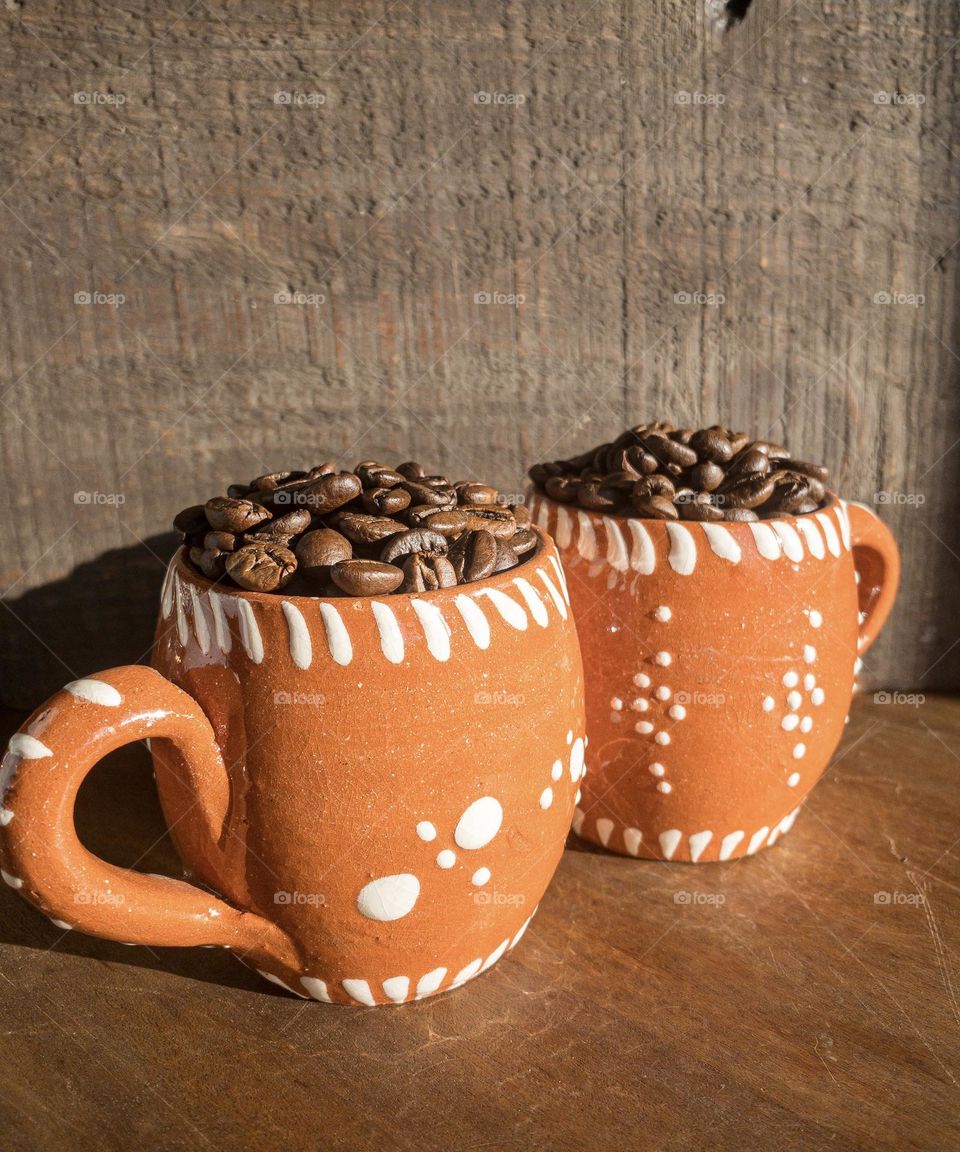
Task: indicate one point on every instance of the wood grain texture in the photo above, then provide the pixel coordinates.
(805, 998)
(627, 155)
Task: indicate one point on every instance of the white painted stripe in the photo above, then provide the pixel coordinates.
(182, 631)
(12, 881)
(604, 830)
(669, 841)
(96, 691)
(166, 594)
(62, 924)
(201, 631)
(477, 624)
(790, 539)
(5, 817)
(523, 927)
(554, 594)
(586, 537)
(495, 955)
(428, 984)
(543, 514)
(617, 552)
(561, 578)
(301, 647)
(467, 973)
(787, 822)
(722, 542)
(316, 987)
(843, 520)
(338, 638)
(28, 747)
(811, 534)
(221, 629)
(538, 610)
(766, 540)
(683, 549)
(391, 638)
(359, 990)
(632, 839)
(698, 843)
(643, 558)
(564, 527)
(509, 609)
(435, 628)
(729, 844)
(757, 839)
(833, 540)
(249, 632)
(396, 988)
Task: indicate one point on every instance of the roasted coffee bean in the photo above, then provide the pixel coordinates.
(749, 461)
(331, 492)
(473, 555)
(411, 470)
(273, 480)
(743, 515)
(653, 486)
(521, 513)
(706, 476)
(493, 518)
(701, 507)
(506, 556)
(448, 522)
(362, 528)
(563, 489)
(261, 567)
(414, 540)
(470, 492)
(802, 466)
(790, 491)
(422, 492)
(593, 495)
(668, 451)
(226, 515)
(220, 541)
(288, 525)
(748, 491)
(523, 540)
(385, 501)
(375, 475)
(427, 573)
(211, 562)
(239, 491)
(656, 508)
(366, 577)
(712, 445)
(319, 550)
(192, 521)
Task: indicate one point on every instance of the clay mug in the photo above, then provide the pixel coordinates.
(720, 661)
(369, 796)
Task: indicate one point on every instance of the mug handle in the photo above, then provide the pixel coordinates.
(877, 560)
(41, 856)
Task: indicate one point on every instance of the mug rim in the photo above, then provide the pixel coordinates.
(545, 545)
(831, 500)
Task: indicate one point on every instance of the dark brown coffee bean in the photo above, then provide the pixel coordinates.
(211, 562)
(226, 515)
(411, 470)
(284, 527)
(220, 541)
(669, 451)
(422, 492)
(331, 492)
(366, 577)
(192, 521)
(655, 508)
(376, 475)
(472, 493)
(362, 528)
(749, 461)
(711, 444)
(748, 491)
(427, 573)
(239, 491)
(657, 485)
(319, 550)
(701, 507)
(521, 513)
(596, 496)
(405, 543)
(492, 518)
(816, 471)
(523, 540)
(385, 501)
(640, 460)
(473, 555)
(740, 515)
(273, 480)
(506, 556)
(325, 469)
(261, 567)
(563, 489)
(770, 449)
(448, 522)
(790, 491)
(706, 476)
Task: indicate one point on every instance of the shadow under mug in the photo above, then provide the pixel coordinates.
(369, 796)
(720, 662)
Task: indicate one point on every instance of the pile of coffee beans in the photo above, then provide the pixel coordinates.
(368, 532)
(656, 471)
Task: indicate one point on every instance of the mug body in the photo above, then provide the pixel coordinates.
(402, 770)
(719, 663)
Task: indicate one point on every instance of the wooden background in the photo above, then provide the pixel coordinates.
(202, 160)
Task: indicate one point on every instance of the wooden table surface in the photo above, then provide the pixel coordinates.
(806, 998)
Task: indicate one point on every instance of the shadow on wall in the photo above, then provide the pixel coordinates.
(101, 615)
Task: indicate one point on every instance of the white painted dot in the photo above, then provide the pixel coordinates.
(616, 704)
(664, 786)
(546, 798)
(768, 704)
(615, 717)
(578, 797)
(446, 858)
(480, 877)
(663, 692)
(557, 770)
(663, 614)
(809, 653)
(793, 779)
(96, 692)
(426, 831)
(809, 681)
(480, 822)
(799, 750)
(790, 679)
(817, 696)
(576, 760)
(806, 723)
(642, 680)
(794, 700)
(389, 898)
(790, 721)
(569, 737)
(678, 712)
(640, 704)
(815, 618)
(663, 659)
(657, 769)
(857, 665)
(643, 727)
(662, 738)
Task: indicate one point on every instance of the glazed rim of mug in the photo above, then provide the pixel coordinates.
(830, 501)
(505, 578)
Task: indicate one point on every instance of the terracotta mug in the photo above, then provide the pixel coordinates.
(370, 796)
(720, 663)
